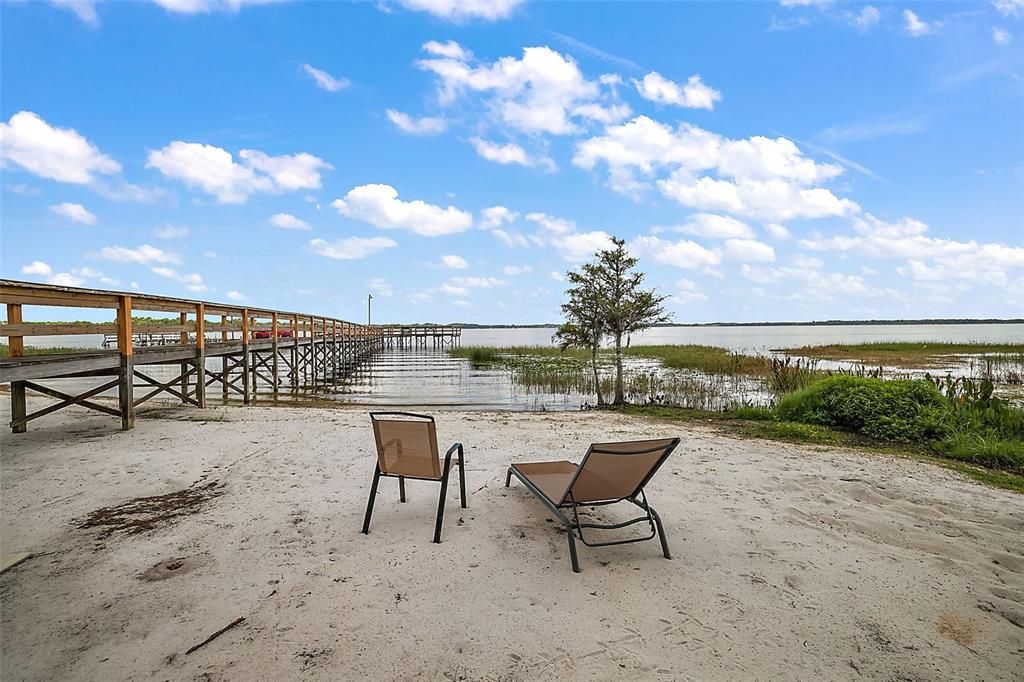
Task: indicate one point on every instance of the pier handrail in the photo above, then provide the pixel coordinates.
(235, 318)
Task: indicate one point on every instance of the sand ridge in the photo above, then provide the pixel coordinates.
(790, 562)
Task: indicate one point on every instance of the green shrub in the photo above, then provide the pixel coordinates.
(897, 411)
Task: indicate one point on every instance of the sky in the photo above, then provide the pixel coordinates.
(765, 161)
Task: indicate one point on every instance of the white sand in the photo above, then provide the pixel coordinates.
(790, 562)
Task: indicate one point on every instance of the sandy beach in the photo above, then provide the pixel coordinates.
(790, 562)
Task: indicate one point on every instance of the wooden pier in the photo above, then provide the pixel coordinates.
(258, 350)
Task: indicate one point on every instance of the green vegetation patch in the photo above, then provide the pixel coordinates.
(911, 355)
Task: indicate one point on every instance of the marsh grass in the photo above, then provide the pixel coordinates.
(5, 350)
(911, 355)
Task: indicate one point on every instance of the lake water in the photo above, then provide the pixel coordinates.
(433, 378)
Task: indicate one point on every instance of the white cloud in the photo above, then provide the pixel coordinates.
(681, 254)
(425, 125)
(453, 262)
(776, 231)
(460, 286)
(805, 3)
(509, 153)
(713, 226)
(551, 223)
(38, 268)
(749, 250)
(510, 239)
(65, 279)
(85, 10)
(75, 212)
(694, 94)
(1000, 36)
(496, 216)
(235, 295)
(351, 248)
(60, 154)
(379, 205)
(557, 276)
(214, 171)
(171, 232)
(581, 246)
(868, 17)
(286, 221)
(517, 269)
(915, 26)
(758, 177)
(450, 49)
(464, 10)
(144, 254)
(1009, 8)
(194, 281)
(207, 6)
(326, 81)
(536, 94)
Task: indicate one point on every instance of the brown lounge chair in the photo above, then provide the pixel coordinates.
(609, 473)
(407, 448)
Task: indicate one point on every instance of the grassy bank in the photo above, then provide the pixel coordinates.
(910, 355)
(5, 350)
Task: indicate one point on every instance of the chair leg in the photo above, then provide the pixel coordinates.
(462, 478)
(369, 502)
(661, 533)
(508, 477)
(401, 488)
(440, 508)
(572, 549)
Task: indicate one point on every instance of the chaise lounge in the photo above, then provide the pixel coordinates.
(609, 473)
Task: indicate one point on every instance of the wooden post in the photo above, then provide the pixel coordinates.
(295, 352)
(312, 350)
(246, 376)
(334, 350)
(273, 343)
(224, 358)
(125, 389)
(183, 338)
(19, 406)
(201, 354)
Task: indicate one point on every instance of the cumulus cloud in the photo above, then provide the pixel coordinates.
(326, 81)
(75, 212)
(496, 216)
(38, 268)
(85, 10)
(380, 286)
(235, 295)
(758, 177)
(517, 269)
(1009, 8)
(552, 224)
(713, 226)
(380, 206)
(425, 125)
(464, 10)
(915, 26)
(581, 246)
(680, 254)
(450, 49)
(509, 153)
(193, 282)
(453, 262)
(144, 254)
(60, 154)
(286, 221)
(688, 291)
(207, 6)
(693, 94)
(749, 250)
(543, 92)
(1000, 36)
(776, 231)
(214, 170)
(867, 18)
(351, 248)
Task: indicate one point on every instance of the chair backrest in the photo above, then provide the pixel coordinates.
(406, 444)
(617, 471)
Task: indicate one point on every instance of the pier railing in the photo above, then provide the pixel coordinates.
(255, 344)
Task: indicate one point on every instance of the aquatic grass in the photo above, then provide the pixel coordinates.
(910, 354)
(5, 350)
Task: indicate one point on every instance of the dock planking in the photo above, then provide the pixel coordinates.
(259, 349)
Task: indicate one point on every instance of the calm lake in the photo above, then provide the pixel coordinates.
(433, 378)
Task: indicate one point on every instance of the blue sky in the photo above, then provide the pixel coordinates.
(765, 161)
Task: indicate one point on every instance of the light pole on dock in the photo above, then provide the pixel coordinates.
(369, 300)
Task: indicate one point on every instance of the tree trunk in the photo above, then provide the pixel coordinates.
(597, 379)
(620, 398)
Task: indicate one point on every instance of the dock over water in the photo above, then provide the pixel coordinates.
(213, 348)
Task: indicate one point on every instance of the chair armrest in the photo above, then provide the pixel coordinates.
(453, 448)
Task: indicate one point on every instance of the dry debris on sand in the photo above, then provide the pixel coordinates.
(790, 561)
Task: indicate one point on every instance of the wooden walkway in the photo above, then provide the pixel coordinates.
(257, 349)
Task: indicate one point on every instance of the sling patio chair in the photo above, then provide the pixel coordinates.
(407, 448)
(609, 473)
